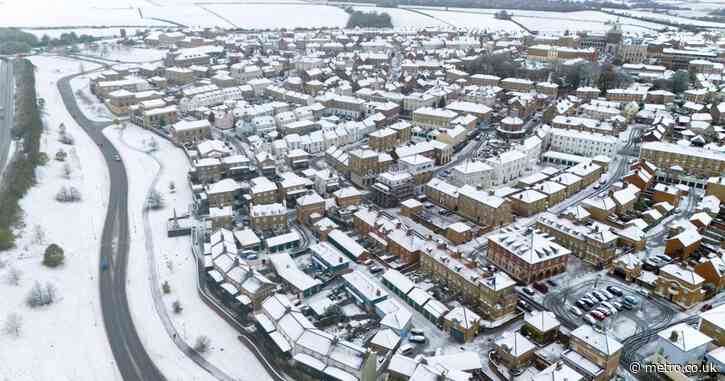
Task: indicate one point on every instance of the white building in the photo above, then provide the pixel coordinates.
(582, 142)
(473, 173)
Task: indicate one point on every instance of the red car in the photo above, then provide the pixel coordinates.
(597, 315)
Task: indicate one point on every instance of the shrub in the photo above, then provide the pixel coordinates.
(53, 256)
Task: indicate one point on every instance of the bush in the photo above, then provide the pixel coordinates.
(68, 194)
(154, 200)
(53, 256)
(60, 155)
(202, 344)
(369, 20)
(41, 296)
(177, 307)
(42, 159)
(166, 288)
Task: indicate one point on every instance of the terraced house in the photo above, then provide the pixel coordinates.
(490, 294)
(593, 242)
(691, 160)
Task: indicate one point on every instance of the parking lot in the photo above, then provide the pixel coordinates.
(610, 305)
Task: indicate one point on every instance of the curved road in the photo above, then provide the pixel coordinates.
(131, 357)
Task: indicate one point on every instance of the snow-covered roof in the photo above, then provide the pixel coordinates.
(684, 337)
(399, 281)
(543, 321)
(463, 316)
(515, 343)
(601, 342)
(386, 338)
(287, 269)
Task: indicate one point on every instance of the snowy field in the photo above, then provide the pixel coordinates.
(273, 16)
(91, 106)
(175, 264)
(673, 19)
(124, 53)
(405, 19)
(58, 342)
(52, 13)
(474, 21)
(96, 32)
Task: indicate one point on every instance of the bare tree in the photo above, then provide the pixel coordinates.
(13, 324)
(13, 276)
(176, 305)
(38, 234)
(202, 344)
(67, 170)
(154, 200)
(68, 194)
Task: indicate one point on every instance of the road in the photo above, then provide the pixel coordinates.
(131, 357)
(7, 114)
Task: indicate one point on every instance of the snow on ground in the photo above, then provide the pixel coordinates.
(96, 32)
(403, 18)
(125, 53)
(175, 264)
(82, 13)
(57, 342)
(89, 104)
(473, 20)
(271, 16)
(668, 18)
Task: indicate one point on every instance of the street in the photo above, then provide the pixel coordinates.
(131, 357)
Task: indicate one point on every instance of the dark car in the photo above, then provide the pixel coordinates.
(541, 287)
(615, 290)
(551, 283)
(528, 291)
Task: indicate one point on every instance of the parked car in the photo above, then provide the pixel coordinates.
(706, 307)
(541, 287)
(417, 339)
(376, 269)
(603, 310)
(589, 319)
(521, 304)
(631, 300)
(575, 311)
(406, 349)
(606, 294)
(597, 315)
(551, 283)
(615, 290)
(617, 305)
(528, 291)
(626, 306)
(418, 332)
(599, 296)
(663, 258)
(581, 304)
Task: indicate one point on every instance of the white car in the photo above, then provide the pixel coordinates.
(589, 319)
(417, 339)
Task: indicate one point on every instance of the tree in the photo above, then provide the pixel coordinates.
(41, 296)
(154, 200)
(13, 324)
(680, 81)
(7, 239)
(60, 155)
(165, 287)
(53, 256)
(38, 234)
(13, 276)
(202, 344)
(177, 307)
(68, 194)
(67, 171)
(172, 186)
(211, 118)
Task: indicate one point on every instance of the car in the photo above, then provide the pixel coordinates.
(528, 291)
(618, 305)
(631, 300)
(417, 339)
(116, 157)
(575, 311)
(603, 310)
(626, 306)
(375, 269)
(597, 315)
(589, 319)
(663, 258)
(522, 305)
(599, 296)
(706, 307)
(643, 292)
(368, 262)
(615, 290)
(406, 349)
(416, 331)
(551, 283)
(597, 186)
(581, 304)
(606, 294)
(541, 287)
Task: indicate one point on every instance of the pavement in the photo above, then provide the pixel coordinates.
(7, 115)
(131, 357)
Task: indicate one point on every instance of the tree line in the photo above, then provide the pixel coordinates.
(368, 19)
(20, 172)
(15, 41)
